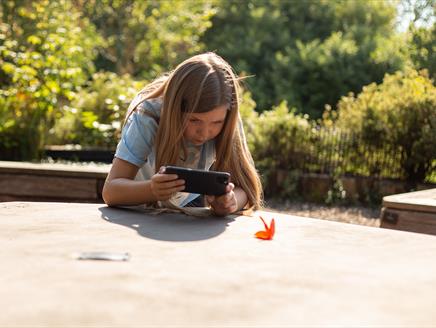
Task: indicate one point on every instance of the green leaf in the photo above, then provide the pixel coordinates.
(8, 68)
(33, 39)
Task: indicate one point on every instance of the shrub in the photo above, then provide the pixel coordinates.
(44, 55)
(400, 112)
(274, 138)
(95, 116)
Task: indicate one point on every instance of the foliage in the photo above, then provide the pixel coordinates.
(309, 53)
(387, 131)
(431, 178)
(249, 117)
(146, 38)
(336, 193)
(45, 55)
(401, 112)
(273, 137)
(422, 49)
(95, 116)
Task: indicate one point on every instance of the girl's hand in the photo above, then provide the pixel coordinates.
(225, 204)
(164, 186)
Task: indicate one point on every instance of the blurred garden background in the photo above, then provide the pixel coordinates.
(332, 88)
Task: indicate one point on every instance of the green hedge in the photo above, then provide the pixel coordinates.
(387, 131)
(400, 112)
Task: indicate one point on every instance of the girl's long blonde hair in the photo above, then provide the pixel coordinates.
(200, 84)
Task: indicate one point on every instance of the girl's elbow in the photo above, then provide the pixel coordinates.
(107, 201)
(106, 195)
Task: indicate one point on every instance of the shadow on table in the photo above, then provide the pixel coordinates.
(166, 226)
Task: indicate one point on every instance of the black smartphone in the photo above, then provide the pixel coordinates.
(200, 181)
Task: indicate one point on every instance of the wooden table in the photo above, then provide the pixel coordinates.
(208, 272)
(412, 211)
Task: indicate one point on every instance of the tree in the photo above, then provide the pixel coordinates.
(422, 48)
(417, 19)
(417, 13)
(146, 38)
(309, 53)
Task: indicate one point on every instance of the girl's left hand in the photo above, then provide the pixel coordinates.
(225, 204)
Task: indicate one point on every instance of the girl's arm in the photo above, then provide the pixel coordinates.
(120, 188)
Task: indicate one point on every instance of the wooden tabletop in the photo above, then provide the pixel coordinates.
(421, 201)
(208, 272)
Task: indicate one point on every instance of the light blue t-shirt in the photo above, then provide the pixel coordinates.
(137, 147)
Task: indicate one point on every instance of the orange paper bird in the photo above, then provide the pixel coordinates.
(269, 231)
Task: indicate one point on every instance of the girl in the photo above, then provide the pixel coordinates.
(188, 118)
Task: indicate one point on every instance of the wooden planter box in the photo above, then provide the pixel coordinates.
(51, 182)
(413, 211)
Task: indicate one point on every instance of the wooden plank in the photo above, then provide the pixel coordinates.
(422, 201)
(100, 185)
(422, 222)
(57, 199)
(47, 186)
(63, 170)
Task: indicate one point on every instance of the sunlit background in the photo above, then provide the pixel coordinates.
(333, 87)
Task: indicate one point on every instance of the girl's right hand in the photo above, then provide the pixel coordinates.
(164, 186)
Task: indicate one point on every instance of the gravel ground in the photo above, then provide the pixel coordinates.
(348, 214)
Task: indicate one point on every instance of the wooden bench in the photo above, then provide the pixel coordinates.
(52, 182)
(412, 211)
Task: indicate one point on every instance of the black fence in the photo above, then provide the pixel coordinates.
(332, 151)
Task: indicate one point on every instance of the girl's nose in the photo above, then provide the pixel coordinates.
(203, 133)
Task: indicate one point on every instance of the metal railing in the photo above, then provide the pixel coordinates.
(331, 150)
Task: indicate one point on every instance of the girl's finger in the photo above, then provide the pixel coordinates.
(170, 191)
(224, 199)
(164, 177)
(170, 184)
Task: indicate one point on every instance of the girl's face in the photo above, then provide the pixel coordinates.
(202, 127)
